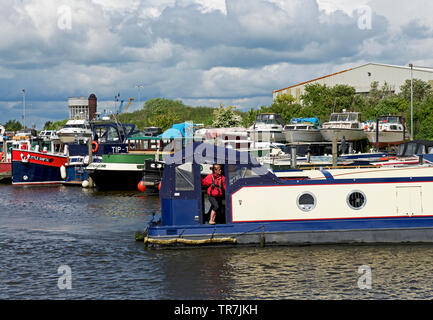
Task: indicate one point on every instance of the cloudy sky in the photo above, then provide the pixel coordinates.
(203, 52)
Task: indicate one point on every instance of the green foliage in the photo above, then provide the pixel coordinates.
(164, 113)
(226, 117)
(56, 125)
(420, 90)
(317, 101)
(321, 100)
(13, 125)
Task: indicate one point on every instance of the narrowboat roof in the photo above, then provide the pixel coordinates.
(206, 153)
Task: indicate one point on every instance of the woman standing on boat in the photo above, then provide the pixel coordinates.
(216, 184)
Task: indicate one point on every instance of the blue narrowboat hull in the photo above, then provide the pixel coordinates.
(326, 231)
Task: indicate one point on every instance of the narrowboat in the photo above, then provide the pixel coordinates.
(357, 205)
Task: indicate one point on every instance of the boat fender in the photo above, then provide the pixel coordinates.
(95, 146)
(159, 186)
(63, 172)
(141, 186)
(85, 184)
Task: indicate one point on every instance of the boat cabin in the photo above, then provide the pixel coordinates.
(415, 148)
(183, 199)
(270, 118)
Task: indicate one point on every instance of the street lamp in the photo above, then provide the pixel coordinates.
(24, 107)
(411, 101)
(139, 86)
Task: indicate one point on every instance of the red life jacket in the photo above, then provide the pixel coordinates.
(216, 188)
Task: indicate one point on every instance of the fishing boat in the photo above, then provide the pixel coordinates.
(303, 130)
(389, 132)
(268, 127)
(344, 124)
(35, 164)
(357, 205)
(117, 171)
(36, 167)
(5, 163)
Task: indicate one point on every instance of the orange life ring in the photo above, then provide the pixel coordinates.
(95, 146)
(1, 156)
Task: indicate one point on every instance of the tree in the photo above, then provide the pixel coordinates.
(225, 117)
(163, 118)
(56, 125)
(321, 100)
(285, 105)
(13, 125)
(420, 90)
(47, 125)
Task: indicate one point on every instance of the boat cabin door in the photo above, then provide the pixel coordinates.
(183, 200)
(207, 203)
(184, 205)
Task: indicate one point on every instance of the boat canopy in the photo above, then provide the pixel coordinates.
(313, 121)
(345, 116)
(178, 130)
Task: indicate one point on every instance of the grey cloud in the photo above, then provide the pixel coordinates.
(261, 33)
(415, 30)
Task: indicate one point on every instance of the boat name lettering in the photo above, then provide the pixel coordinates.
(37, 158)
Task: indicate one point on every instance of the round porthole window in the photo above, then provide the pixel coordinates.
(306, 201)
(356, 200)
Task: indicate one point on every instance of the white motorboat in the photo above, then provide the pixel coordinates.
(303, 130)
(267, 127)
(391, 131)
(75, 129)
(344, 124)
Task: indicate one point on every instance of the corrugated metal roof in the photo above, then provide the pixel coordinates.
(371, 63)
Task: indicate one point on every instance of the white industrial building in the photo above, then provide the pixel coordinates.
(361, 78)
(78, 108)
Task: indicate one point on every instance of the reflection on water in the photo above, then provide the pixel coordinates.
(92, 232)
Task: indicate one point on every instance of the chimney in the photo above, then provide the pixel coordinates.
(92, 107)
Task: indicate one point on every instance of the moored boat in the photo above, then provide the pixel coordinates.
(391, 131)
(303, 130)
(74, 129)
(359, 205)
(5, 163)
(36, 167)
(344, 124)
(268, 127)
(117, 171)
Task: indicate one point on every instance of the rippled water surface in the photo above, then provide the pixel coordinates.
(43, 228)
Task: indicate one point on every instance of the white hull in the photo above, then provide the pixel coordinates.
(267, 135)
(303, 135)
(71, 137)
(386, 137)
(348, 134)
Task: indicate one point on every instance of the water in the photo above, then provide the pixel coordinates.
(43, 228)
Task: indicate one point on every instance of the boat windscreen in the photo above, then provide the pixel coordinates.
(184, 179)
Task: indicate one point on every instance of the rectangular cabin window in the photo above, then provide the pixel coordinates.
(112, 134)
(184, 177)
(237, 172)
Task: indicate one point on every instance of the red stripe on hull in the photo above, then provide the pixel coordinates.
(39, 158)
